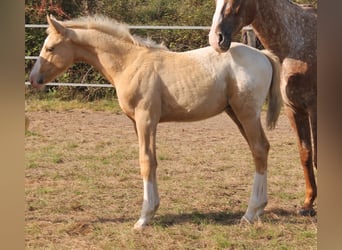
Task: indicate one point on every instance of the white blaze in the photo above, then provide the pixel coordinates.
(44, 45)
(37, 65)
(217, 19)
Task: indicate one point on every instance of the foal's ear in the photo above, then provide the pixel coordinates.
(55, 26)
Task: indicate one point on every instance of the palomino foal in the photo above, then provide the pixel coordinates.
(156, 85)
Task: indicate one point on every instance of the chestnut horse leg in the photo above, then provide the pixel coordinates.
(146, 129)
(313, 123)
(301, 123)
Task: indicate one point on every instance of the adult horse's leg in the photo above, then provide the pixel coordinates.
(146, 129)
(300, 122)
(313, 124)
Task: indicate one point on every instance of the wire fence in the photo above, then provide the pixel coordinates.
(146, 27)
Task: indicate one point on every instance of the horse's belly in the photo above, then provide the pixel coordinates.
(193, 104)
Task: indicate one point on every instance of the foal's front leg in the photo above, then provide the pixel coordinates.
(146, 129)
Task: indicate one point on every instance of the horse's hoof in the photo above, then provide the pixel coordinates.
(307, 212)
(140, 225)
(244, 221)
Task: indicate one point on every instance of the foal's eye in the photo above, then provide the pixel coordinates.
(49, 49)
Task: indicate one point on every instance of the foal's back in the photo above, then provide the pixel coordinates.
(198, 84)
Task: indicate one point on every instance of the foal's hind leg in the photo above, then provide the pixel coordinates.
(259, 146)
(253, 132)
(232, 115)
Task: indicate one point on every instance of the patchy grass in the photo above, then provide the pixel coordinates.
(84, 191)
(53, 104)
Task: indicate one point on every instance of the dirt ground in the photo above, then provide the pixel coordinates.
(82, 174)
(95, 125)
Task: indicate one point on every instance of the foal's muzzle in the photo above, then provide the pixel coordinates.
(37, 81)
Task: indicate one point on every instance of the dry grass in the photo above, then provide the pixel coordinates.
(83, 188)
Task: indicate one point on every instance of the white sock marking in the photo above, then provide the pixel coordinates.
(258, 198)
(150, 204)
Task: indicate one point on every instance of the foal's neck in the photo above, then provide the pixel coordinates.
(107, 54)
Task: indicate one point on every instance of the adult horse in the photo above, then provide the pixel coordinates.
(289, 31)
(156, 85)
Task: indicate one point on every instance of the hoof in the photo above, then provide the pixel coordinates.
(244, 221)
(307, 212)
(140, 225)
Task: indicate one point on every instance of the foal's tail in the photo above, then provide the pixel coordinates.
(275, 100)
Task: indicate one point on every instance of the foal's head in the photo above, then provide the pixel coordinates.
(55, 57)
(229, 18)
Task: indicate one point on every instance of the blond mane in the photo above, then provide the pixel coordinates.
(111, 27)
